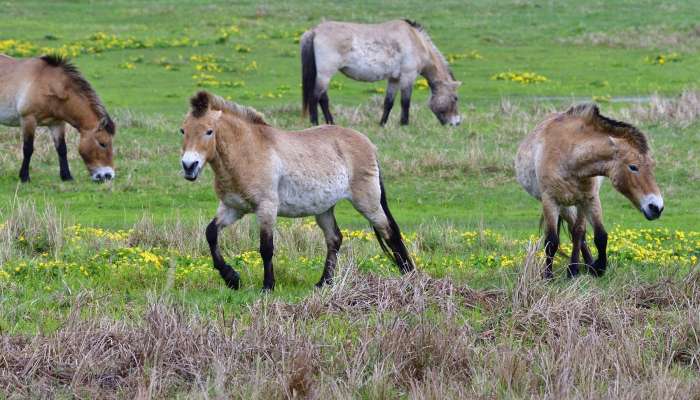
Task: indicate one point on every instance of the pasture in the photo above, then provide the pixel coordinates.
(107, 290)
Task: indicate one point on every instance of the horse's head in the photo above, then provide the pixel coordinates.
(199, 136)
(95, 148)
(632, 174)
(443, 101)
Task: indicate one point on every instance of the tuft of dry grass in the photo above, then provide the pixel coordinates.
(379, 337)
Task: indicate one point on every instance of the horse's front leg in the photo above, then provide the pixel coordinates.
(406, 92)
(600, 237)
(28, 126)
(267, 216)
(391, 88)
(225, 216)
(578, 234)
(551, 239)
(58, 132)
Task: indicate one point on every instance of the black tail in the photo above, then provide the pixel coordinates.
(398, 252)
(308, 71)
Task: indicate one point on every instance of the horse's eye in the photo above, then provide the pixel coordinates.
(633, 168)
(182, 131)
(103, 145)
(210, 132)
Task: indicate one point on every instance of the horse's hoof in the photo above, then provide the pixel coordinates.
(598, 268)
(572, 271)
(268, 289)
(24, 179)
(548, 275)
(66, 178)
(232, 278)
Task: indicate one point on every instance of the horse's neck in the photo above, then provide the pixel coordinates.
(235, 144)
(592, 159)
(434, 69)
(79, 113)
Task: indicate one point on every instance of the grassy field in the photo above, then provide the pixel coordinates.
(108, 291)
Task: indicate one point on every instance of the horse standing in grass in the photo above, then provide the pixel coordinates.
(562, 163)
(397, 51)
(50, 91)
(263, 170)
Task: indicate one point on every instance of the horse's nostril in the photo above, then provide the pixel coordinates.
(653, 208)
(108, 176)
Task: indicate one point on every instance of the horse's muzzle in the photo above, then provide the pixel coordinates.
(191, 170)
(102, 174)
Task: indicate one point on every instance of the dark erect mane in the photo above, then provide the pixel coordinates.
(615, 128)
(414, 24)
(203, 101)
(83, 87)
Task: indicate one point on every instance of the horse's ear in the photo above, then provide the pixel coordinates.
(457, 84)
(613, 143)
(58, 90)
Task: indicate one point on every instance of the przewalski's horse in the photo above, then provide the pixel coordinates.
(562, 163)
(50, 91)
(270, 172)
(397, 51)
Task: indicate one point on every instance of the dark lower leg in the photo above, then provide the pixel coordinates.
(325, 107)
(27, 150)
(63, 159)
(577, 234)
(231, 277)
(313, 110)
(267, 249)
(405, 105)
(551, 245)
(600, 238)
(333, 246)
(586, 252)
(398, 248)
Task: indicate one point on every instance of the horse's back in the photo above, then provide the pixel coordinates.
(365, 52)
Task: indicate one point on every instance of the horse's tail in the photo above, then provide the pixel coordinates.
(398, 252)
(308, 70)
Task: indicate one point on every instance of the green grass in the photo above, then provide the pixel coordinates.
(437, 178)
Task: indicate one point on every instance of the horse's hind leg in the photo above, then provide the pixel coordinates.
(391, 88)
(225, 216)
(58, 132)
(325, 107)
(551, 240)
(370, 201)
(267, 216)
(600, 237)
(28, 125)
(334, 239)
(320, 96)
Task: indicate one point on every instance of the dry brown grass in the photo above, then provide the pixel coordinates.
(376, 337)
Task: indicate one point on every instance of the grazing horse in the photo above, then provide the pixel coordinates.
(50, 91)
(270, 172)
(562, 163)
(397, 51)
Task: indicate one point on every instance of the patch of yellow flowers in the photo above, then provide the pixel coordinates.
(481, 249)
(524, 78)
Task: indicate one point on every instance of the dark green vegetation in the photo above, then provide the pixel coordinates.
(451, 190)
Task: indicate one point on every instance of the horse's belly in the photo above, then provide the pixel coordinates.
(373, 61)
(299, 197)
(8, 114)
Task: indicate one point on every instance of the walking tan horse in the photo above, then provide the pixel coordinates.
(397, 51)
(270, 172)
(50, 91)
(562, 163)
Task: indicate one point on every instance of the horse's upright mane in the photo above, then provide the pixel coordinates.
(591, 113)
(204, 100)
(420, 29)
(83, 87)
